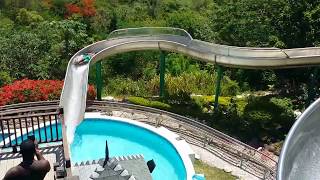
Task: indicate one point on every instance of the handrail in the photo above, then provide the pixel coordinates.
(28, 115)
(26, 109)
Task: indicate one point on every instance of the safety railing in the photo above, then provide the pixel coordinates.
(19, 121)
(148, 31)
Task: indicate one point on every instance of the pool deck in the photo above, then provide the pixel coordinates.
(5, 165)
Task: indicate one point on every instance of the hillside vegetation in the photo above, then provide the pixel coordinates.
(38, 37)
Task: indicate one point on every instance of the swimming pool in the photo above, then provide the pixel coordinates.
(127, 139)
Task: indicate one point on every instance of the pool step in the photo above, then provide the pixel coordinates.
(112, 168)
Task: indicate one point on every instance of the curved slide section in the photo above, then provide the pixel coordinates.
(300, 155)
(73, 98)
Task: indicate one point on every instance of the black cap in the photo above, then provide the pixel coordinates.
(27, 147)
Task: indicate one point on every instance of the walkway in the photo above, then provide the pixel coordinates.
(215, 161)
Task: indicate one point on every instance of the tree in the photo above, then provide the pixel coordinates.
(198, 26)
(25, 17)
(246, 22)
(32, 52)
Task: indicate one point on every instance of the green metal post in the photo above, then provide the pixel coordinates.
(98, 80)
(162, 72)
(218, 87)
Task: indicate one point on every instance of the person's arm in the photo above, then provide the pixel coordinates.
(42, 162)
(39, 155)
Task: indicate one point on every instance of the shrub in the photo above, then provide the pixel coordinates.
(268, 117)
(229, 87)
(34, 90)
(127, 87)
(149, 103)
(4, 78)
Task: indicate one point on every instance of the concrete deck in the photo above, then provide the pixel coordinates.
(5, 165)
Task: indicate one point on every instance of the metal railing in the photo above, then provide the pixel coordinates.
(28, 118)
(19, 121)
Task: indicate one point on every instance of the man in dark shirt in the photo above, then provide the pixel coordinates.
(29, 168)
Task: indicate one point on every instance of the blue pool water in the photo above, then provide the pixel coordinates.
(52, 135)
(126, 139)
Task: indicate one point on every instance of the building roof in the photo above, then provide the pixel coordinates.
(131, 167)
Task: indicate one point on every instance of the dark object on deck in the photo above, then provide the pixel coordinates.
(68, 163)
(151, 165)
(60, 172)
(55, 165)
(107, 155)
(14, 149)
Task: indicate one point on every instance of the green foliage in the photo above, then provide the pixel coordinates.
(50, 48)
(25, 17)
(268, 116)
(126, 86)
(37, 40)
(20, 61)
(146, 102)
(229, 87)
(6, 24)
(198, 26)
(246, 23)
(176, 64)
(4, 78)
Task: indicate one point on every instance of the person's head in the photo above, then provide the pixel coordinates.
(27, 149)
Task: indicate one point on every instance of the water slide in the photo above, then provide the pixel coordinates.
(73, 97)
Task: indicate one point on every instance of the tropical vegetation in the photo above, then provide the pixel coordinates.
(38, 37)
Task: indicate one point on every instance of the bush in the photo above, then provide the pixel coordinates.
(148, 103)
(127, 87)
(34, 90)
(229, 87)
(268, 118)
(177, 88)
(4, 78)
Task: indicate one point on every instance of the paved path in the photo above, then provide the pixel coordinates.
(5, 165)
(215, 161)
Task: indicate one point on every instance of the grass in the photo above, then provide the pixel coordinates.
(211, 173)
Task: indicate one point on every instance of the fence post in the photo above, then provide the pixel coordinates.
(241, 160)
(204, 141)
(266, 173)
(218, 87)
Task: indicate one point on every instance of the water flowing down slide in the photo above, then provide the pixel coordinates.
(73, 98)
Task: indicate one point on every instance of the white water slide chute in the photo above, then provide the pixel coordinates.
(73, 98)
